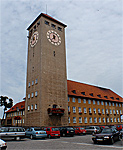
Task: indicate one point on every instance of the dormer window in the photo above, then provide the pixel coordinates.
(117, 98)
(112, 97)
(91, 94)
(83, 93)
(74, 91)
(59, 28)
(106, 97)
(99, 96)
(46, 22)
(52, 25)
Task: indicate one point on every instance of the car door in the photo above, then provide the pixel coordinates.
(28, 132)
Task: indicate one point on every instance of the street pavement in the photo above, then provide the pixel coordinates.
(83, 142)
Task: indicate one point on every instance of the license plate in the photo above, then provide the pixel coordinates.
(99, 139)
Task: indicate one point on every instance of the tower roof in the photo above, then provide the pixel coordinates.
(46, 16)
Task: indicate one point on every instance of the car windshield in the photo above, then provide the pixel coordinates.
(55, 129)
(106, 131)
(37, 129)
(70, 129)
(81, 128)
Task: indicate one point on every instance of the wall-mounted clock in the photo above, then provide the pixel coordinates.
(54, 37)
(34, 39)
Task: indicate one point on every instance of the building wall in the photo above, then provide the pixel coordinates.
(98, 105)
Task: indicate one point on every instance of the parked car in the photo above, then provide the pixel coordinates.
(92, 129)
(108, 135)
(119, 127)
(12, 133)
(121, 131)
(35, 132)
(79, 130)
(3, 145)
(67, 131)
(52, 132)
(102, 127)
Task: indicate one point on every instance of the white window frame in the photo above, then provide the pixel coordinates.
(89, 101)
(103, 111)
(95, 119)
(85, 120)
(105, 103)
(116, 105)
(74, 119)
(36, 81)
(117, 111)
(114, 111)
(106, 111)
(111, 119)
(85, 110)
(110, 110)
(109, 103)
(80, 119)
(79, 109)
(28, 96)
(84, 101)
(68, 119)
(93, 102)
(90, 120)
(112, 104)
(32, 95)
(36, 93)
(79, 100)
(89, 110)
(98, 110)
(115, 120)
(32, 107)
(32, 82)
(98, 102)
(28, 107)
(94, 110)
(101, 102)
(74, 109)
(99, 119)
(73, 99)
(107, 119)
(103, 120)
(118, 119)
(35, 106)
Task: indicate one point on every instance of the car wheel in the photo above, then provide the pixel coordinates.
(31, 137)
(112, 141)
(17, 138)
(49, 136)
(119, 138)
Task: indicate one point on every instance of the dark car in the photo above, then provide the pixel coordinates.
(35, 132)
(109, 135)
(12, 133)
(121, 131)
(92, 129)
(67, 131)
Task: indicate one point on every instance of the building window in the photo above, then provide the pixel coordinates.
(85, 110)
(94, 110)
(31, 107)
(32, 82)
(112, 104)
(95, 120)
(73, 99)
(105, 103)
(117, 111)
(74, 109)
(59, 28)
(36, 81)
(29, 84)
(35, 106)
(68, 108)
(98, 103)
(32, 95)
(74, 119)
(69, 119)
(98, 110)
(113, 111)
(80, 119)
(101, 102)
(85, 119)
(114, 119)
(79, 100)
(107, 119)
(89, 101)
(116, 105)
(119, 105)
(90, 110)
(46, 22)
(99, 120)
(103, 120)
(28, 95)
(110, 111)
(23, 120)
(106, 111)
(111, 119)
(79, 108)
(118, 119)
(93, 102)
(68, 99)
(120, 112)
(84, 101)
(90, 120)
(28, 108)
(36, 94)
(53, 25)
(109, 103)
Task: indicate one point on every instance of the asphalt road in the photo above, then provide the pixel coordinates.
(66, 143)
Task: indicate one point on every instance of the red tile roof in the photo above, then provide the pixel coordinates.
(20, 106)
(90, 91)
(46, 16)
(81, 90)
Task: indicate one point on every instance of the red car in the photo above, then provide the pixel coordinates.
(119, 127)
(52, 132)
(79, 130)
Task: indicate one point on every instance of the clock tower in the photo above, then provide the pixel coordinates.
(46, 84)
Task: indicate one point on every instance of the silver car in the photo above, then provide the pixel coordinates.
(35, 132)
(92, 129)
(12, 133)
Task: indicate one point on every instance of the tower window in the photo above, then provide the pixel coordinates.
(59, 28)
(46, 22)
(52, 25)
(54, 53)
(38, 23)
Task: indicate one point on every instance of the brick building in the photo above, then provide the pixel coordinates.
(87, 105)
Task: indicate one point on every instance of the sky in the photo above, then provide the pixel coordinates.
(94, 42)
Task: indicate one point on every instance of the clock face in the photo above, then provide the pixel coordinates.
(53, 37)
(34, 39)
